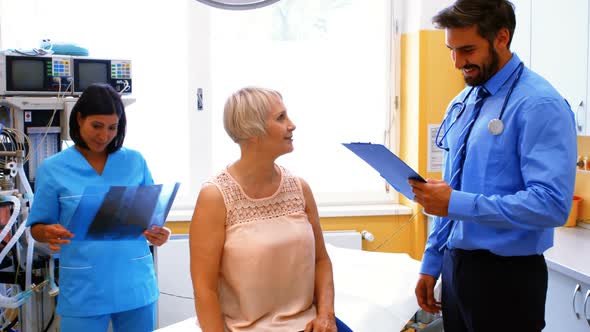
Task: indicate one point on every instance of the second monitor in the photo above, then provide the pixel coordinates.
(116, 73)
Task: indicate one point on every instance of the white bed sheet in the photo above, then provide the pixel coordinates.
(374, 291)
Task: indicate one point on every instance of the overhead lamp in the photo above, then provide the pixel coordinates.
(238, 4)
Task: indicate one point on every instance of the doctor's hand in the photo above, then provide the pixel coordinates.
(425, 294)
(322, 323)
(434, 196)
(157, 235)
(54, 234)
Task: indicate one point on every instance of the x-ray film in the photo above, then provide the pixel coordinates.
(117, 213)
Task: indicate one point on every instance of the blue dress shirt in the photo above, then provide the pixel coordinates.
(516, 186)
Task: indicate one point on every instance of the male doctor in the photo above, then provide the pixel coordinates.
(509, 173)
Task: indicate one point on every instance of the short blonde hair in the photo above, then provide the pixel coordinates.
(245, 111)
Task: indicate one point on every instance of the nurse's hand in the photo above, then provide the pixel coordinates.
(434, 196)
(54, 234)
(157, 235)
(425, 294)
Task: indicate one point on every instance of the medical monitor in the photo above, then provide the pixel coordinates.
(34, 75)
(27, 75)
(91, 72)
(116, 73)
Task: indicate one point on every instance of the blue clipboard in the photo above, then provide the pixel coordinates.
(394, 170)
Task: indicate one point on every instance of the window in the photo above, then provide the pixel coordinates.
(330, 59)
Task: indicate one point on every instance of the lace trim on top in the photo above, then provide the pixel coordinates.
(287, 200)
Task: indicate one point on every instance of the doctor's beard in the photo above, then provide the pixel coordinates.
(486, 71)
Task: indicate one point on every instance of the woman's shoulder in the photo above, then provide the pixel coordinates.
(128, 154)
(213, 193)
(58, 159)
(286, 172)
(290, 176)
(210, 192)
(221, 179)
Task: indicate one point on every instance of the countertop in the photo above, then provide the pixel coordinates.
(569, 254)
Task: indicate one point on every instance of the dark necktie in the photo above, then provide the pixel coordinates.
(458, 159)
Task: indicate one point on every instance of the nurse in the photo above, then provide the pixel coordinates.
(100, 281)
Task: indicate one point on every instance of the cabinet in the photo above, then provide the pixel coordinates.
(565, 298)
(553, 40)
(559, 41)
(569, 281)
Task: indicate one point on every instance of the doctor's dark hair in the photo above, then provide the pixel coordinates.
(99, 99)
(488, 15)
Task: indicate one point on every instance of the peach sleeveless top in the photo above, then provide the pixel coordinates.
(266, 280)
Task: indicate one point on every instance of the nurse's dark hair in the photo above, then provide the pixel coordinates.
(99, 99)
(490, 16)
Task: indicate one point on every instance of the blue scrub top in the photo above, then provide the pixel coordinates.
(96, 277)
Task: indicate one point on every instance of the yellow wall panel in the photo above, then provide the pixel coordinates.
(428, 83)
(409, 149)
(583, 180)
(409, 97)
(392, 233)
(179, 227)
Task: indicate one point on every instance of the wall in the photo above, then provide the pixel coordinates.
(392, 233)
(428, 83)
(583, 180)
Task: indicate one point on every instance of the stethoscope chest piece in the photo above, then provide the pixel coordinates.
(496, 126)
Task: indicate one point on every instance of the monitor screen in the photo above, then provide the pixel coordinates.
(27, 75)
(91, 72)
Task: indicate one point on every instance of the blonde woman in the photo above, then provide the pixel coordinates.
(258, 258)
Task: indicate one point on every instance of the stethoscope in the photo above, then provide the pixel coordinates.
(495, 126)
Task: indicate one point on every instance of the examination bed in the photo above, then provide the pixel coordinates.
(373, 291)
